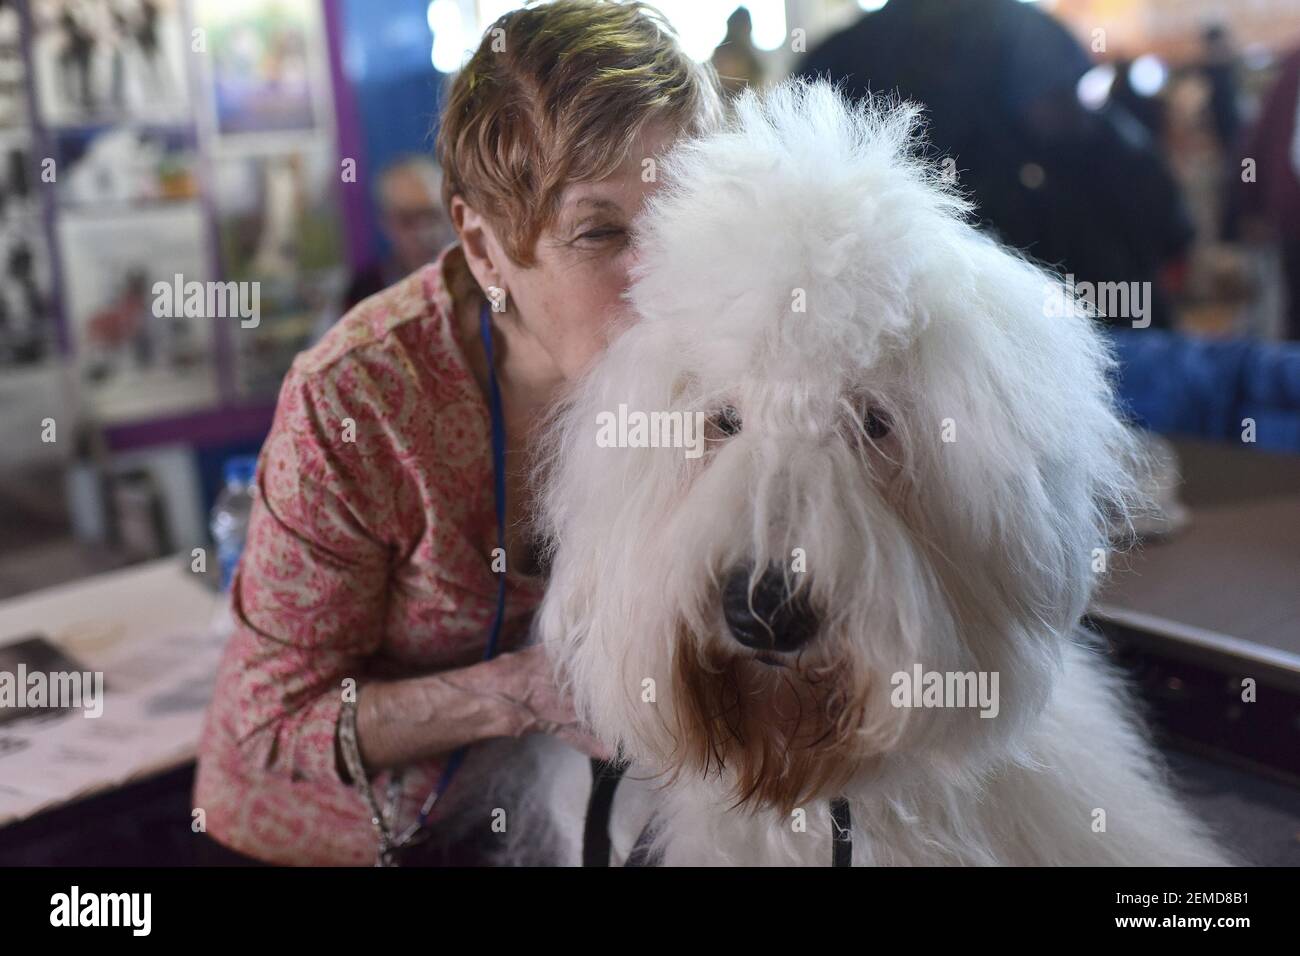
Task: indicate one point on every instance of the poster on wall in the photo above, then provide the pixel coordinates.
(13, 73)
(279, 227)
(266, 64)
(26, 329)
(139, 351)
(18, 190)
(109, 60)
(126, 165)
(27, 335)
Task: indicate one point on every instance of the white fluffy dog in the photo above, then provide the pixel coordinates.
(911, 462)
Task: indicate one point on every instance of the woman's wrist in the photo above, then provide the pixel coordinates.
(401, 722)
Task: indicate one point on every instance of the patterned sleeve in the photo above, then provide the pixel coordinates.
(310, 593)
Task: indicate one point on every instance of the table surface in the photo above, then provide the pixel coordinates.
(143, 610)
(1230, 580)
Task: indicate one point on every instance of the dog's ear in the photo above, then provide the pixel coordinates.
(1025, 432)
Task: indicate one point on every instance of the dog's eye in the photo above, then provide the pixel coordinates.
(727, 421)
(876, 424)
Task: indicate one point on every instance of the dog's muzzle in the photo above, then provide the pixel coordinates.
(768, 618)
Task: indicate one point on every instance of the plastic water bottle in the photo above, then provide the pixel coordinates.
(230, 514)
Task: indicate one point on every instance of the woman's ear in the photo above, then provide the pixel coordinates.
(478, 243)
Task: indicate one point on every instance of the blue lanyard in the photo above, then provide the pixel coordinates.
(498, 472)
(499, 488)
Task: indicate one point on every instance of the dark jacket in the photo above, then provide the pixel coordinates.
(1080, 190)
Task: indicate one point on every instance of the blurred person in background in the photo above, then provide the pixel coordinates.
(413, 221)
(1083, 190)
(1271, 199)
(1219, 68)
(736, 58)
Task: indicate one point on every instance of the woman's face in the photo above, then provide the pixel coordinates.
(571, 299)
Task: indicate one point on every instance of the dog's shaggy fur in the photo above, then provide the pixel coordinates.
(892, 397)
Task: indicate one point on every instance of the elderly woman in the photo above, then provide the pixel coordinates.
(369, 582)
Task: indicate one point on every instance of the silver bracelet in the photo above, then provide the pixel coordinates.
(347, 734)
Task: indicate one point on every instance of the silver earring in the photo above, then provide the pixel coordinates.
(497, 298)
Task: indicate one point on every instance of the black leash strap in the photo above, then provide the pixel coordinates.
(605, 776)
(841, 833)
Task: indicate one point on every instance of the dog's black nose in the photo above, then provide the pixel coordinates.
(769, 618)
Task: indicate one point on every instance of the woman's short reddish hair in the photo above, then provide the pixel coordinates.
(555, 94)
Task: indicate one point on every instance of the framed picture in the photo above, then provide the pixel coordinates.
(265, 65)
(278, 223)
(139, 351)
(102, 61)
(126, 165)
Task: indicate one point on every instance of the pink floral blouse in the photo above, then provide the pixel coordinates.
(366, 558)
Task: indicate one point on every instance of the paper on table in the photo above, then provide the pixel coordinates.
(155, 698)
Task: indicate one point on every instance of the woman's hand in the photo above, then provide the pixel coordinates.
(400, 722)
(528, 681)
